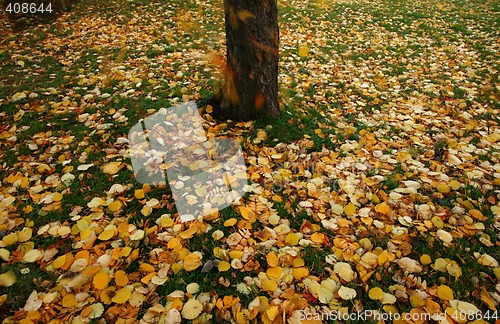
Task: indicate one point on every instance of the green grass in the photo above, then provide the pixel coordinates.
(29, 278)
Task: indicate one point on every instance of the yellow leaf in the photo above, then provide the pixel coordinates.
(7, 279)
(403, 156)
(272, 312)
(57, 196)
(376, 293)
(454, 184)
(488, 260)
(236, 254)
(147, 278)
(230, 222)
(416, 301)
(121, 278)
(101, 280)
(166, 221)
(344, 271)
(25, 234)
(85, 233)
(224, 266)
(115, 206)
(303, 51)
(471, 125)
(388, 298)
(347, 293)
(125, 252)
(383, 208)
(192, 309)
(192, 288)
(383, 258)
(69, 301)
(106, 235)
(32, 256)
(292, 239)
(444, 236)
(10, 239)
(454, 269)
(486, 298)
(146, 267)
(191, 262)
(111, 167)
(318, 238)
(247, 213)
(146, 210)
(139, 194)
(274, 272)
(96, 310)
(176, 268)
(4, 254)
(95, 202)
(269, 285)
(443, 187)
(59, 262)
(189, 233)
(425, 259)
(122, 295)
(298, 262)
(137, 235)
(445, 293)
(174, 245)
(349, 209)
(299, 273)
(496, 271)
(272, 259)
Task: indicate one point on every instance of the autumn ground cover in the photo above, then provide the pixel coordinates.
(377, 189)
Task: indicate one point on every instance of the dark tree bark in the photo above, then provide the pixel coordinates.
(251, 80)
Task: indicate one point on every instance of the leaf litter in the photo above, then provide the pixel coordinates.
(393, 181)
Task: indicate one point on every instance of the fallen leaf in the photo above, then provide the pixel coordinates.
(192, 309)
(445, 293)
(347, 293)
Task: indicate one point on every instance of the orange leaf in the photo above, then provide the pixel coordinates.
(318, 238)
(121, 278)
(69, 301)
(274, 272)
(383, 208)
(247, 213)
(191, 262)
(477, 214)
(272, 259)
(101, 280)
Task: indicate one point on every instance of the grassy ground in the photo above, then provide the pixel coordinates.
(381, 171)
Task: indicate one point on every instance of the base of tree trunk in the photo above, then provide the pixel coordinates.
(222, 110)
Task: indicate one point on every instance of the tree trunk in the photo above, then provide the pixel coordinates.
(251, 81)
